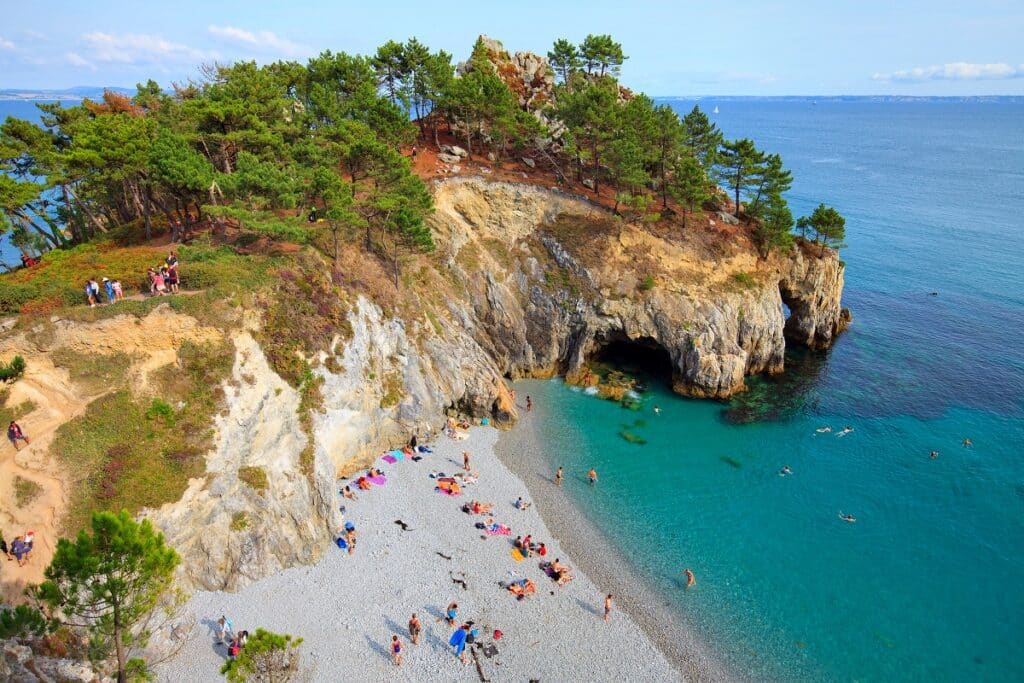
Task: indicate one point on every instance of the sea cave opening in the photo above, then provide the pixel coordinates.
(643, 358)
(789, 304)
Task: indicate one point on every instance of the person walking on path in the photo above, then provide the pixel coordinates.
(110, 290)
(465, 460)
(414, 629)
(226, 629)
(607, 606)
(88, 294)
(95, 287)
(396, 650)
(14, 434)
(118, 291)
(592, 475)
(558, 477)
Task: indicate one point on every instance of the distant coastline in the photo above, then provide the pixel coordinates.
(81, 92)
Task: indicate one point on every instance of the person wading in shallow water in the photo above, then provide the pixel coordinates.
(592, 475)
(558, 477)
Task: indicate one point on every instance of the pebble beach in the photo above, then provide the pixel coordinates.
(347, 607)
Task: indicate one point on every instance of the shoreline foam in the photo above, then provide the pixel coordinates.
(521, 450)
(347, 607)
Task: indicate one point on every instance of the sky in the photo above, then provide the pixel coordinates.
(775, 47)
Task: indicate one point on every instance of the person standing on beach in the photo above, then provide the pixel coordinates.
(592, 475)
(396, 650)
(225, 628)
(450, 613)
(414, 629)
(529, 404)
(558, 477)
(465, 460)
(607, 606)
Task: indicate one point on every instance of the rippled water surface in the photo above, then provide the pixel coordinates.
(929, 581)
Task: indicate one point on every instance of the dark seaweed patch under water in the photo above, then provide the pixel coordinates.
(769, 399)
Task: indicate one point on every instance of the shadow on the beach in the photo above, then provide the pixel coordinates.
(400, 631)
(212, 626)
(435, 612)
(380, 649)
(593, 609)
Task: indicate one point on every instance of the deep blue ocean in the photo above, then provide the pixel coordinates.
(928, 584)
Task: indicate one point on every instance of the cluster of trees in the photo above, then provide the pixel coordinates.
(251, 144)
(112, 584)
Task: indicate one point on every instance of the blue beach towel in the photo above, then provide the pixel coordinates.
(397, 455)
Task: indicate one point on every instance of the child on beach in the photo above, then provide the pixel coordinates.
(396, 650)
(450, 613)
(225, 628)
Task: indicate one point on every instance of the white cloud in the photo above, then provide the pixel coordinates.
(138, 48)
(75, 59)
(6, 44)
(266, 41)
(955, 71)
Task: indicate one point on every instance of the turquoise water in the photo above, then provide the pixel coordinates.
(928, 584)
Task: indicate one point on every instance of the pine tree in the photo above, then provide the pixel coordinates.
(827, 225)
(688, 184)
(564, 58)
(110, 581)
(702, 137)
(601, 55)
(738, 166)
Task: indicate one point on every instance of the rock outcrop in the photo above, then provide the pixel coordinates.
(554, 279)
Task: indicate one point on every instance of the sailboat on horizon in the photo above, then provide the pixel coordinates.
(716, 110)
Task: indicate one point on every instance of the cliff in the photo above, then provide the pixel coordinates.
(526, 281)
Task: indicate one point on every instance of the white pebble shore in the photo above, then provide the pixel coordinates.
(346, 608)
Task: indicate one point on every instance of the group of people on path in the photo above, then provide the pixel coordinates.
(20, 548)
(162, 279)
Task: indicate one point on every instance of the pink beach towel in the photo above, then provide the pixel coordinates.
(499, 530)
(379, 480)
(389, 459)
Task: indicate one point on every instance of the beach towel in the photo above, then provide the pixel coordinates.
(397, 455)
(379, 480)
(516, 555)
(390, 459)
(498, 530)
(447, 492)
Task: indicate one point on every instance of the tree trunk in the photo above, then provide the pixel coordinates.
(737, 196)
(146, 211)
(76, 233)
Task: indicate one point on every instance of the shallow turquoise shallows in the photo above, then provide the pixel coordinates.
(928, 584)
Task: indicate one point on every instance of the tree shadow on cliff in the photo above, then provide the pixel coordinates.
(773, 399)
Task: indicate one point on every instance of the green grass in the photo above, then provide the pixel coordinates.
(744, 280)
(647, 284)
(9, 413)
(392, 391)
(94, 373)
(57, 282)
(25, 491)
(254, 477)
(128, 452)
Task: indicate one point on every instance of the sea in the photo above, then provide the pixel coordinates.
(928, 582)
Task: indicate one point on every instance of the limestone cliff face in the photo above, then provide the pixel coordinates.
(552, 279)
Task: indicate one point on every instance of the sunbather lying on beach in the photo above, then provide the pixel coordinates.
(522, 588)
(363, 483)
(348, 493)
(558, 572)
(478, 508)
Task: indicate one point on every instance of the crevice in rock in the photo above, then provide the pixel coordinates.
(639, 356)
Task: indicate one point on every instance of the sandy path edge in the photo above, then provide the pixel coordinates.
(521, 450)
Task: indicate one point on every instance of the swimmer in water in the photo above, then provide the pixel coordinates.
(690, 581)
(657, 410)
(933, 455)
(967, 443)
(846, 430)
(847, 518)
(785, 470)
(822, 430)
